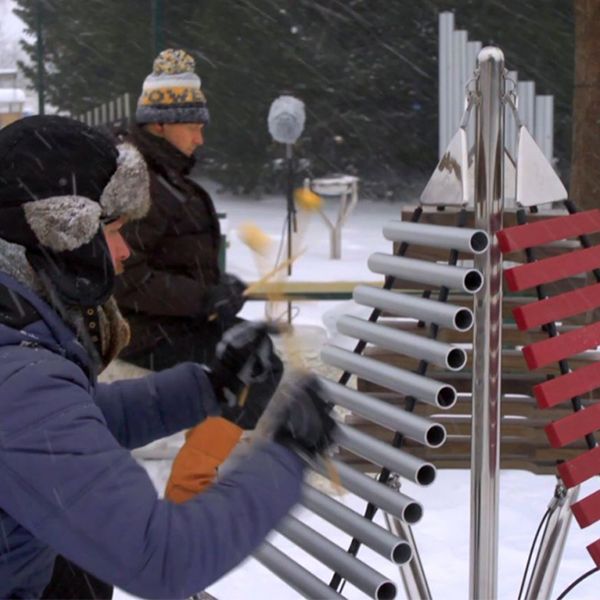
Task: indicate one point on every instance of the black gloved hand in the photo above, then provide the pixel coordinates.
(243, 356)
(225, 300)
(301, 416)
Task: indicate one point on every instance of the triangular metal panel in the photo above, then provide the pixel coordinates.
(448, 184)
(537, 182)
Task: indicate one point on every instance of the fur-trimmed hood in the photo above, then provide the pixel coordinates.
(128, 191)
(60, 180)
(68, 222)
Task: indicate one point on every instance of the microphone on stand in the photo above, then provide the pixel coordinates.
(286, 122)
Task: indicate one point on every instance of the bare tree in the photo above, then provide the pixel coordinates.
(585, 162)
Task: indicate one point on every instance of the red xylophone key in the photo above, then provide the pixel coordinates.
(587, 511)
(558, 307)
(548, 230)
(579, 469)
(567, 386)
(553, 268)
(594, 550)
(572, 427)
(562, 346)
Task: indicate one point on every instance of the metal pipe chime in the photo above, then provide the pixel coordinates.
(400, 505)
(380, 453)
(444, 355)
(421, 430)
(428, 273)
(404, 382)
(474, 241)
(446, 315)
(377, 538)
(297, 577)
(362, 576)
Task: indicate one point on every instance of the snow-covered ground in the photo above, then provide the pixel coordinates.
(443, 534)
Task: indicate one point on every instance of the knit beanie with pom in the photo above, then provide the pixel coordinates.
(171, 93)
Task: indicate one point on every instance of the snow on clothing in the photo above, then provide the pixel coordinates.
(68, 484)
(175, 249)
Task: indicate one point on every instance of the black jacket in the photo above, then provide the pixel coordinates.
(175, 247)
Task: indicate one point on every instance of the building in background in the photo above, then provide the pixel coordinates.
(12, 98)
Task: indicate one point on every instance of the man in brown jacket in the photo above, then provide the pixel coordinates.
(173, 293)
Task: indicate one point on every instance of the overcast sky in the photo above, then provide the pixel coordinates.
(11, 29)
(11, 25)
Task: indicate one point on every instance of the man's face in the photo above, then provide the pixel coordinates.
(186, 137)
(119, 250)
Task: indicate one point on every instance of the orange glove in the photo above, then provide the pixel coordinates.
(195, 467)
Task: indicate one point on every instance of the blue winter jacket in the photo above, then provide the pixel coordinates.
(69, 485)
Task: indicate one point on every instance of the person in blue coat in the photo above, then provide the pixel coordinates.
(68, 484)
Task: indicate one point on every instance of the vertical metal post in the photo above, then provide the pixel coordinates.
(412, 573)
(40, 58)
(127, 107)
(526, 95)
(552, 544)
(459, 39)
(544, 125)
(473, 50)
(445, 28)
(510, 127)
(485, 432)
(291, 214)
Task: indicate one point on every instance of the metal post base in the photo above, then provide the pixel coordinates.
(545, 568)
(412, 573)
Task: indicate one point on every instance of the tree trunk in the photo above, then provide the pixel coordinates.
(585, 159)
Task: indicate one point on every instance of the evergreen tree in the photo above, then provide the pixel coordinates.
(366, 70)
